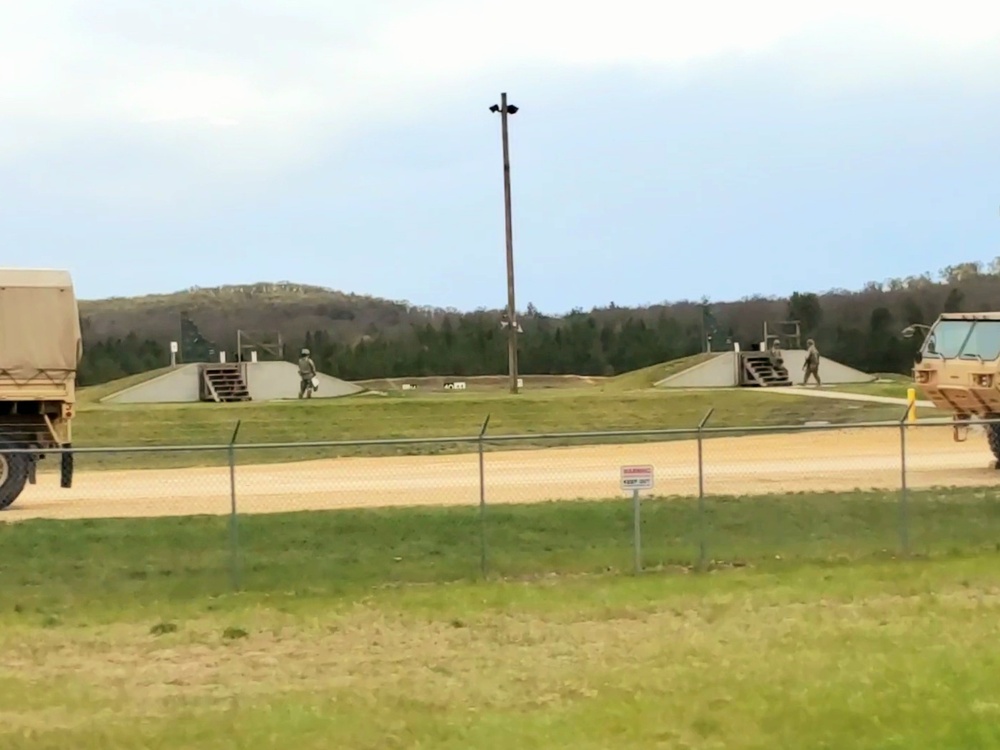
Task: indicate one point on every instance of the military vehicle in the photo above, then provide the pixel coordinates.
(958, 369)
(40, 349)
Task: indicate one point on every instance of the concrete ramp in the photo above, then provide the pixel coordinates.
(722, 372)
(830, 372)
(266, 381)
(273, 381)
(717, 372)
(178, 386)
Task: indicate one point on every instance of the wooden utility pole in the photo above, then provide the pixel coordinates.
(512, 324)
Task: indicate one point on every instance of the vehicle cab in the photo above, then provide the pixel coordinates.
(958, 364)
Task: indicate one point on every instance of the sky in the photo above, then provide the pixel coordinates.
(662, 151)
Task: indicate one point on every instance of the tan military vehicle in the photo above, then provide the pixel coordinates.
(958, 368)
(40, 350)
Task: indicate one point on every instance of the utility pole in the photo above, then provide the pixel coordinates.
(512, 325)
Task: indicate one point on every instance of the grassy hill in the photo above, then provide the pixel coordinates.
(357, 336)
(647, 377)
(93, 394)
(286, 308)
(429, 415)
(294, 308)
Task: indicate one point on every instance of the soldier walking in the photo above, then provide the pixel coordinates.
(811, 365)
(307, 371)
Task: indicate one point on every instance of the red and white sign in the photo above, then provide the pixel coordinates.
(636, 478)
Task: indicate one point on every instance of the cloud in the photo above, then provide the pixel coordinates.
(454, 38)
(256, 86)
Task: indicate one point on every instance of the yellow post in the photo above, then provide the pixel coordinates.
(911, 399)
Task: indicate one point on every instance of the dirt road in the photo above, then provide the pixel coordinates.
(804, 462)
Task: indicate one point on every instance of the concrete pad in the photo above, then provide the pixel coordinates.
(179, 386)
(266, 381)
(722, 372)
(830, 372)
(273, 381)
(718, 372)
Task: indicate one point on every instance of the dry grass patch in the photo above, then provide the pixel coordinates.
(721, 667)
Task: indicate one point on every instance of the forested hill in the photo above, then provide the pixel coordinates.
(360, 337)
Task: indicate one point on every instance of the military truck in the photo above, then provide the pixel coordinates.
(958, 369)
(40, 349)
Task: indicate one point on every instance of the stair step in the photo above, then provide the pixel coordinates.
(225, 384)
(764, 373)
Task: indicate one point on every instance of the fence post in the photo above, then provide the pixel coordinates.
(234, 532)
(636, 532)
(701, 493)
(904, 501)
(482, 500)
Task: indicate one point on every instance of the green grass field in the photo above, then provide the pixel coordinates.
(457, 414)
(647, 377)
(369, 629)
(895, 389)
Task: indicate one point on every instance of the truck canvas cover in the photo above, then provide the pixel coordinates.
(40, 333)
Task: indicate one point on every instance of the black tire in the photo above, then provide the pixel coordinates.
(993, 436)
(66, 469)
(13, 474)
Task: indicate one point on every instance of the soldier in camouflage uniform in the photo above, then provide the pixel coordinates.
(774, 354)
(307, 371)
(811, 365)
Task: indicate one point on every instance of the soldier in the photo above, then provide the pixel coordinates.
(811, 365)
(307, 371)
(774, 354)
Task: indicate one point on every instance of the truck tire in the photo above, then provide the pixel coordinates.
(66, 469)
(993, 436)
(13, 473)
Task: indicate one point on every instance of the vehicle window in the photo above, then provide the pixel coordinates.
(984, 341)
(945, 340)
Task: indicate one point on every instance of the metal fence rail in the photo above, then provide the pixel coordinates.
(722, 496)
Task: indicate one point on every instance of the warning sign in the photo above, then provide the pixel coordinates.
(636, 478)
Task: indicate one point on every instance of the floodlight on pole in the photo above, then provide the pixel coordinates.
(506, 109)
(911, 329)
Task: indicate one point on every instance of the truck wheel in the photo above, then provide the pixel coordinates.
(13, 474)
(66, 469)
(993, 435)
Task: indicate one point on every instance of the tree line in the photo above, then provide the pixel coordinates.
(860, 329)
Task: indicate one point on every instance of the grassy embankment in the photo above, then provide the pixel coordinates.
(623, 403)
(120, 634)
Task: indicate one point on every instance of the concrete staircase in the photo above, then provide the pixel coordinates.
(756, 370)
(223, 383)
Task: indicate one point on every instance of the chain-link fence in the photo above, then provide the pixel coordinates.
(328, 514)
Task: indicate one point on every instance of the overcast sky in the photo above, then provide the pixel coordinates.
(663, 150)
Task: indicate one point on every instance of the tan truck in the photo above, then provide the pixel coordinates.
(40, 349)
(958, 369)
